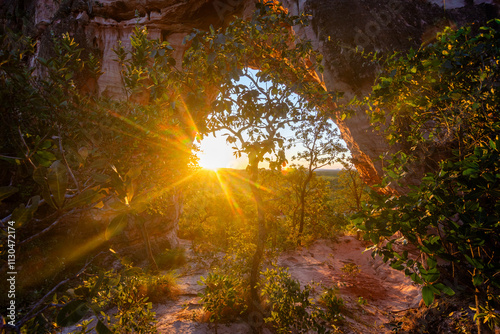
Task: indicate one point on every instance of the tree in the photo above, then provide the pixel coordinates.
(252, 114)
(76, 156)
(320, 139)
(351, 191)
(444, 99)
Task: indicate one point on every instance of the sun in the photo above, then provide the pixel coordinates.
(215, 153)
(206, 162)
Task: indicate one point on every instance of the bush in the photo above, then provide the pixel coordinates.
(291, 309)
(442, 112)
(333, 304)
(223, 297)
(126, 293)
(158, 288)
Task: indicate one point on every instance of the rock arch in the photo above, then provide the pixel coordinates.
(337, 28)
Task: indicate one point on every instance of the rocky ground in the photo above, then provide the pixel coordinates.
(385, 292)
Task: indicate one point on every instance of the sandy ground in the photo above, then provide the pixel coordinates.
(385, 290)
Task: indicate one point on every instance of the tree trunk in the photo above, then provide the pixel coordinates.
(303, 206)
(149, 252)
(302, 215)
(256, 312)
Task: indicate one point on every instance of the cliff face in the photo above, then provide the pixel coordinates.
(338, 28)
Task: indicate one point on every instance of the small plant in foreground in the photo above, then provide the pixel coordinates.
(292, 311)
(222, 298)
(123, 292)
(333, 304)
(351, 269)
(362, 301)
(158, 288)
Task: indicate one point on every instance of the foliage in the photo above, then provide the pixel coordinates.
(333, 303)
(125, 292)
(443, 110)
(350, 191)
(148, 67)
(218, 210)
(322, 148)
(71, 155)
(291, 308)
(290, 203)
(128, 291)
(362, 301)
(351, 269)
(223, 297)
(219, 213)
(252, 115)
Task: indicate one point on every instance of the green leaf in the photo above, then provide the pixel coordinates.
(22, 214)
(392, 174)
(475, 263)
(86, 197)
(46, 144)
(477, 280)
(46, 155)
(101, 178)
(97, 285)
(117, 225)
(427, 295)
(48, 198)
(7, 191)
(39, 176)
(71, 313)
(469, 171)
(57, 179)
(449, 291)
(431, 262)
(101, 328)
(443, 288)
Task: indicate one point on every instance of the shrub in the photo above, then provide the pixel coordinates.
(332, 303)
(126, 293)
(223, 297)
(351, 269)
(442, 113)
(158, 288)
(291, 309)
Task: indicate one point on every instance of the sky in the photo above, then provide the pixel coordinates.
(216, 153)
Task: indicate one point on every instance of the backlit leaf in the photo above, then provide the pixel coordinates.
(86, 197)
(116, 225)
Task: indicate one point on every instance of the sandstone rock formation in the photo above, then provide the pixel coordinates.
(338, 28)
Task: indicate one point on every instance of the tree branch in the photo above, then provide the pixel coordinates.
(66, 161)
(30, 314)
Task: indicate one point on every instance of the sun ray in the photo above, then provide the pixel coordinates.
(250, 182)
(235, 207)
(215, 153)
